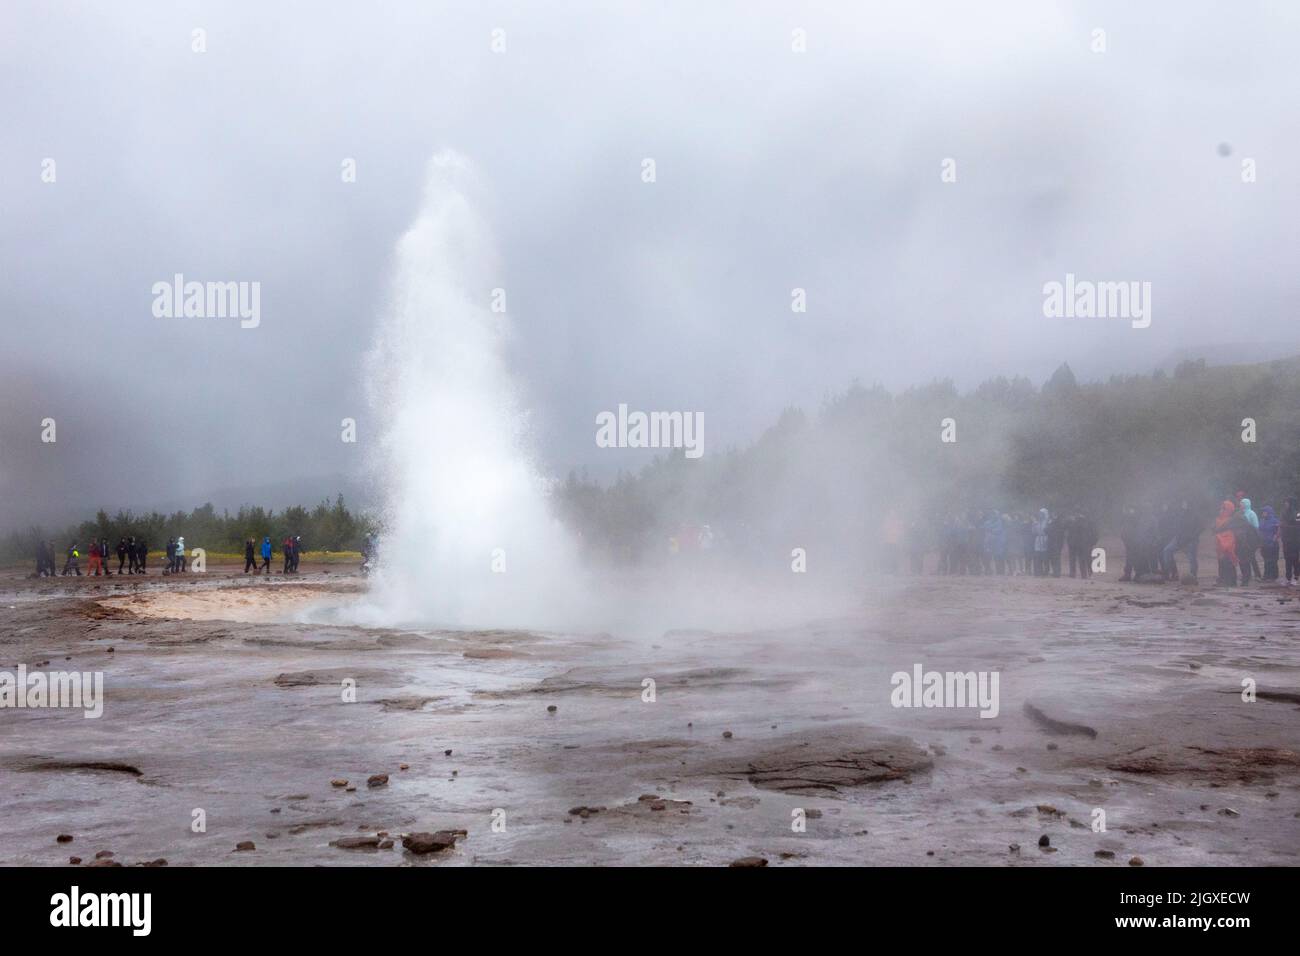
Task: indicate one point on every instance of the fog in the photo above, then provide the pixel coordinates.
(775, 170)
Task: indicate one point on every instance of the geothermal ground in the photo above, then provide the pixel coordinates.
(220, 698)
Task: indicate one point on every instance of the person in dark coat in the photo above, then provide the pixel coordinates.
(1080, 539)
(1269, 540)
(1289, 531)
(1187, 535)
(250, 558)
(141, 554)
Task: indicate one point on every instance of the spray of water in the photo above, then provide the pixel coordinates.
(468, 537)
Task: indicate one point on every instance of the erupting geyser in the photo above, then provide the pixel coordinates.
(468, 537)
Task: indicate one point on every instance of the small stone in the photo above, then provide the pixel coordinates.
(356, 842)
(74, 860)
(551, 709)
(245, 846)
(1228, 812)
(1044, 840)
(63, 838)
(431, 842)
(446, 753)
(1136, 861)
(748, 861)
(104, 855)
(350, 788)
(726, 735)
(403, 766)
(338, 782)
(1104, 854)
(377, 780)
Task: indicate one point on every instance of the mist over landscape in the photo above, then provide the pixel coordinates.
(775, 171)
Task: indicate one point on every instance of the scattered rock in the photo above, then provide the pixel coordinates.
(63, 838)
(74, 860)
(1044, 840)
(1104, 854)
(585, 812)
(848, 757)
(1052, 726)
(403, 766)
(551, 708)
(377, 780)
(431, 842)
(338, 782)
(748, 861)
(104, 855)
(1228, 812)
(356, 843)
(244, 846)
(1135, 861)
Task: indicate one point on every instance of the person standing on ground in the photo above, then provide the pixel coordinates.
(171, 556)
(297, 551)
(181, 563)
(249, 560)
(1247, 540)
(1289, 533)
(72, 564)
(1225, 544)
(1187, 533)
(266, 555)
(142, 552)
(121, 554)
(1040, 542)
(1269, 528)
(287, 546)
(1055, 542)
(1252, 519)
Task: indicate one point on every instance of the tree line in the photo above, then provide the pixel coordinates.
(330, 526)
(827, 479)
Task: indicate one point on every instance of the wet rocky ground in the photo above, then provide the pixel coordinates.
(773, 743)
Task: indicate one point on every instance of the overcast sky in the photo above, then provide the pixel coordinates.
(774, 170)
